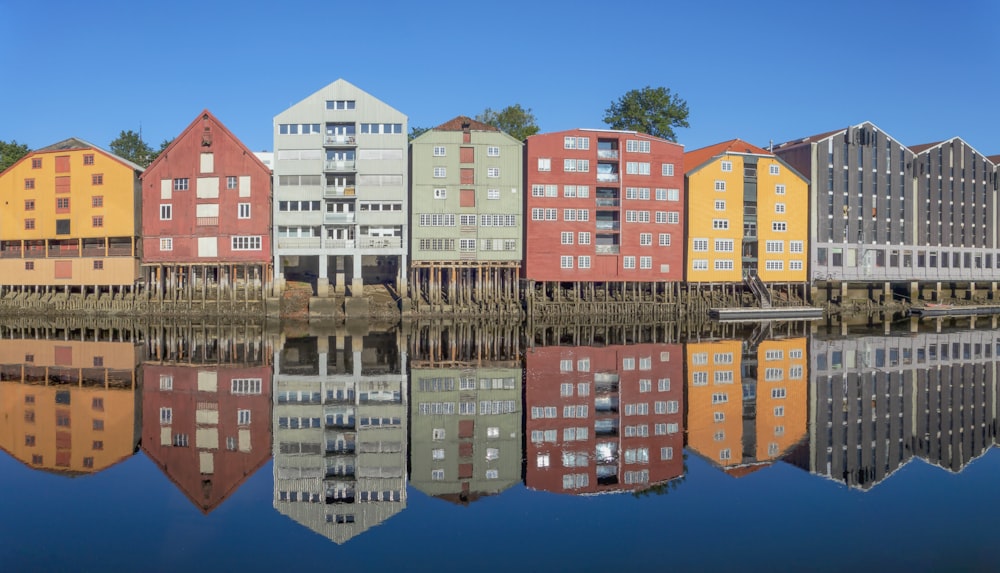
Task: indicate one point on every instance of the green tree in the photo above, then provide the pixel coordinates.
(10, 152)
(129, 145)
(513, 119)
(416, 132)
(650, 110)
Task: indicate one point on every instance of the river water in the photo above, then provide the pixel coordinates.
(452, 446)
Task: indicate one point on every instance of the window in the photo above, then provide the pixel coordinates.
(795, 265)
(97, 179)
(727, 166)
(62, 204)
(181, 184)
(566, 262)
(29, 183)
(440, 193)
(668, 170)
(166, 244)
(231, 182)
(723, 264)
(795, 246)
(720, 205)
(645, 262)
(36, 163)
(166, 212)
(699, 265)
(775, 246)
(774, 265)
(243, 417)
(166, 416)
(779, 226)
(779, 207)
(88, 159)
(29, 204)
(243, 211)
(340, 104)
(637, 168)
(628, 262)
(97, 201)
(774, 170)
(440, 172)
(575, 165)
(664, 239)
(720, 224)
(493, 172)
(576, 143)
(544, 164)
(779, 411)
(492, 151)
(636, 146)
(492, 193)
(583, 261)
(469, 220)
(569, 214)
(724, 245)
(97, 221)
(720, 398)
(566, 237)
(29, 224)
(439, 151)
(779, 189)
(583, 238)
(673, 217)
(720, 185)
(246, 243)
(645, 239)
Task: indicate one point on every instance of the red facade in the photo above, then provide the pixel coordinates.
(604, 419)
(207, 428)
(206, 185)
(603, 206)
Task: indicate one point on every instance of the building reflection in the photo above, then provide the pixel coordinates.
(206, 407)
(603, 418)
(879, 401)
(340, 430)
(466, 406)
(68, 397)
(747, 399)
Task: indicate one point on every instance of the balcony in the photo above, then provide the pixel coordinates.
(338, 218)
(608, 225)
(34, 252)
(607, 154)
(607, 249)
(120, 251)
(608, 202)
(332, 191)
(340, 165)
(207, 221)
(607, 177)
(10, 250)
(335, 140)
(299, 242)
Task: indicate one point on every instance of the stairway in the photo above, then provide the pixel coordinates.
(758, 288)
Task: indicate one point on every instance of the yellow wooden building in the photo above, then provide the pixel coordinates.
(70, 220)
(747, 214)
(68, 406)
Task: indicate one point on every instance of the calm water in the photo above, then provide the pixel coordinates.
(446, 447)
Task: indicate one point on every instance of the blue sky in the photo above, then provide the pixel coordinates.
(767, 71)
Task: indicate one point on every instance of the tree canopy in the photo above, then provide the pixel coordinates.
(129, 145)
(10, 152)
(654, 111)
(416, 132)
(513, 119)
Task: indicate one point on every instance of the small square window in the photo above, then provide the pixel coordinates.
(97, 179)
(36, 163)
(88, 159)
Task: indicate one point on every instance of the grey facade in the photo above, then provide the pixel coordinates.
(878, 402)
(340, 432)
(340, 192)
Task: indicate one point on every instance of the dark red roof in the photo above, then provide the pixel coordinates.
(694, 159)
(461, 123)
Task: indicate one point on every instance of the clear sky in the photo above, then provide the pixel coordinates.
(922, 70)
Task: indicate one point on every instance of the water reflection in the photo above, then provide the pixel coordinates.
(463, 411)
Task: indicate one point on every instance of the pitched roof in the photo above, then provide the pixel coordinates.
(994, 158)
(924, 146)
(810, 138)
(205, 114)
(694, 159)
(77, 143)
(458, 124)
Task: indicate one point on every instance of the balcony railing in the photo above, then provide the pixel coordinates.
(34, 252)
(120, 251)
(10, 254)
(332, 191)
(207, 221)
(608, 202)
(338, 218)
(339, 140)
(298, 242)
(60, 252)
(93, 251)
(338, 244)
(340, 165)
(607, 154)
(607, 177)
(607, 249)
(608, 225)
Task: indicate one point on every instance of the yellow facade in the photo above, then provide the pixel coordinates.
(715, 400)
(715, 194)
(76, 184)
(68, 406)
(782, 396)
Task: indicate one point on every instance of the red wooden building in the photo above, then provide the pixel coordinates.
(208, 428)
(603, 419)
(206, 214)
(603, 205)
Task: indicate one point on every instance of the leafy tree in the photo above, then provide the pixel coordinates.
(650, 110)
(416, 132)
(10, 152)
(129, 145)
(513, 119)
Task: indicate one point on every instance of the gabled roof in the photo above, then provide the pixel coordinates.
(924, 146)
(459, 124)
(994, 158)
(809, 139)
(698, 157)
(75, 143)
(205, 114)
